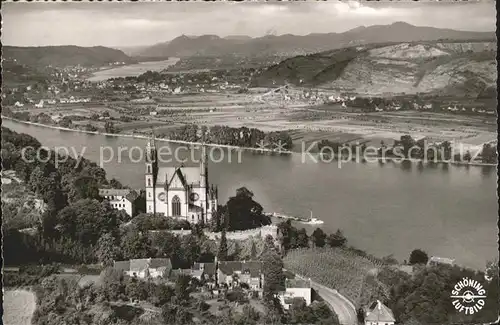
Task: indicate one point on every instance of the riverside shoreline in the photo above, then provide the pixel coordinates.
(257, 150)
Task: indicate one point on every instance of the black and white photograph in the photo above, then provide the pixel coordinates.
(249, 163)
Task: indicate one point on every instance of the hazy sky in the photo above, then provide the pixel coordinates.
(128, 24)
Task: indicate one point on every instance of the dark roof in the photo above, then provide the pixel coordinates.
(114, 191)
(194, 208)
(121, 265)
(229, 267)
(132, 196)
(209, 268)
(297, 283)
(160, 262)
(139, 264)
(252, 267)
(179, 173)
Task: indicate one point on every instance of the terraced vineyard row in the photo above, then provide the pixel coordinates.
(335, 268)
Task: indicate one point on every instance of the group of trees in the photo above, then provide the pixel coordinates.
(424, 298)
(408, 147)
(292, 238)
(74, 217)
(241, 212)
(243, 136)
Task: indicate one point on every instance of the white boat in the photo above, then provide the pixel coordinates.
(313, 221)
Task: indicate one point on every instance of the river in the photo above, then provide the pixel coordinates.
(132, 70)
(448, 211)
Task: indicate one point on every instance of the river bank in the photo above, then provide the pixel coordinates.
(145, 137)
(322, 157)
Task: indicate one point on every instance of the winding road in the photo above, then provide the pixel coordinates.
(344, 309)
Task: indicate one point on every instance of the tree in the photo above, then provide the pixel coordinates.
(222, 251)
(418, 256)
(287, 235)
(253, 251)
(272, 269)
(318, 237)
(106, 249)
(136, 245)
(337, 239)
(182, 287)
(302, 238)
(243, 212)
(109, 127)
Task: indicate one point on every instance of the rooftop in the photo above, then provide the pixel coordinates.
(113, 191)
(378, 312)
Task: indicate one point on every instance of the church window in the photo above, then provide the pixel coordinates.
(149, 181)
(149, 194)
(149, 169)
(176, 206)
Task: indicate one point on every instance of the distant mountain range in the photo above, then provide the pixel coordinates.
(291, 45)
(61, 56)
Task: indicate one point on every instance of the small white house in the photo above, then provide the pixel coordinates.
(145, 267)
(40, 104)
(121, 199)
(296, 288)
(379, 314)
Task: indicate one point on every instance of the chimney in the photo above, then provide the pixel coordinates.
(379, 305)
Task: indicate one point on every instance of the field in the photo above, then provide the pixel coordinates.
(263, 109)
(335, 268)
(19, 306)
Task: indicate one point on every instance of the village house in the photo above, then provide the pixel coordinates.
(235, 273)
(296, 288)
(379, 314)
(206, 273)
(145, 267)
(121, 199)
(434, 260)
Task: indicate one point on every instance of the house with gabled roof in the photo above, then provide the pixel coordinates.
(121, 199)
(379, 314)
(235, 273)
(145, 267)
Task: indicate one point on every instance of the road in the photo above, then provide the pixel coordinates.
(342, 307)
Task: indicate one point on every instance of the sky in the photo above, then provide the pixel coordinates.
(145, 23)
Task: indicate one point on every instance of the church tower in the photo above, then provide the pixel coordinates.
(204, 182)
(151, 173)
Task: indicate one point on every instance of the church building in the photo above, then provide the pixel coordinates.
(179, 191)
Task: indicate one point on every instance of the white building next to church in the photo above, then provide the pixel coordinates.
(179, 191)
(121, 199)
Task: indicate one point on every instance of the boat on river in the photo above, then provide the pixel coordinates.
(308, 221)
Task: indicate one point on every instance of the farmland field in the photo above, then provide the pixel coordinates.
(19, 306)
(335, 268)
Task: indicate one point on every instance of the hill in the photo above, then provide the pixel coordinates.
(437, 67)
(292, 45)
(62, 56)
